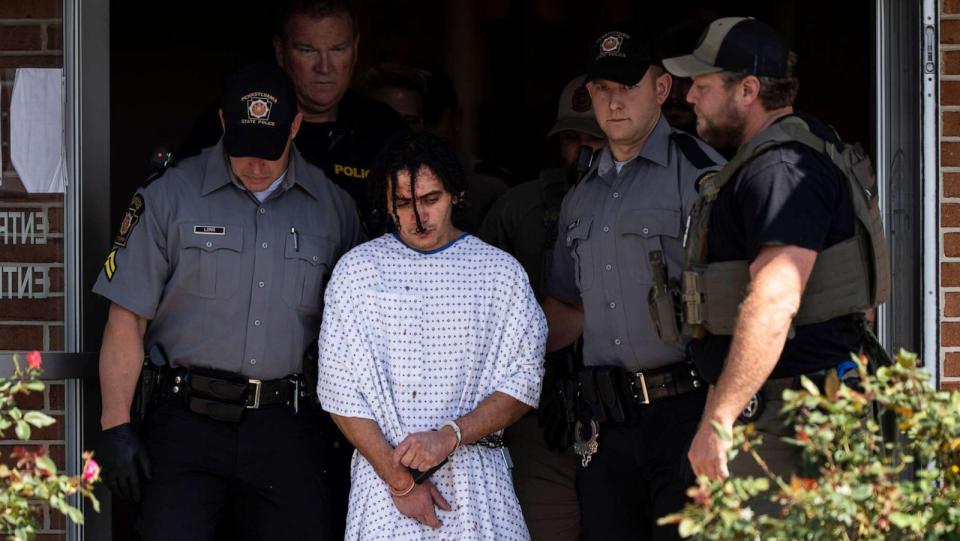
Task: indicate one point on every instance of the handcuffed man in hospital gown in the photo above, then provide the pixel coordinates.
(432, 342)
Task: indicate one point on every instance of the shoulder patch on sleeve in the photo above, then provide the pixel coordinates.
(691, 150)
(130, 220)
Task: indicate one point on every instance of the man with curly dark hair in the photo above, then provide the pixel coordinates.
(432, 342)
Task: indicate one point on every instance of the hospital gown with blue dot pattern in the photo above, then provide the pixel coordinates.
(413, 339)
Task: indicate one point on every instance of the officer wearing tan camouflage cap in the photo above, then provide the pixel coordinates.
(524, 223)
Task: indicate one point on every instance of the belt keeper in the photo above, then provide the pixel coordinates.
(643, 388)
(256, 394)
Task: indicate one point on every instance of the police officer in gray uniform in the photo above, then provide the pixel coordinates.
(618, 256)
(219, 268)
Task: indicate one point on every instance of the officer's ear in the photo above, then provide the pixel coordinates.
(663, 84)
(223, 123)
(748, 90)
(294, 126)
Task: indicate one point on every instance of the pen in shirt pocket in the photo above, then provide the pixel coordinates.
(296, 239)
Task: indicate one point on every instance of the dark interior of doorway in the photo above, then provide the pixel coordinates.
(508, 59)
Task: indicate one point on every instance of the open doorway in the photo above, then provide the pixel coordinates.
(508, 60)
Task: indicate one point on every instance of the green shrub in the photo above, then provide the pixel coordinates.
(867, 488)
(31, 478)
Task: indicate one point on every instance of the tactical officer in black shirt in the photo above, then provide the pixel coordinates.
(785, 249)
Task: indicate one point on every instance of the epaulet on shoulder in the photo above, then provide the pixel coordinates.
(591, 166)
(160, 161)
(691, 150)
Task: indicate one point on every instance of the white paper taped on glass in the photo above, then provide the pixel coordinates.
(36, 129)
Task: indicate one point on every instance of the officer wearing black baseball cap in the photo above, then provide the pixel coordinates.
(226, 256)
(619, 246)
(620, 57)
(258, 110)
(778, 216)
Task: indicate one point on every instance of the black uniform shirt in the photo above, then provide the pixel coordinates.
(346, 148)
(789, 195)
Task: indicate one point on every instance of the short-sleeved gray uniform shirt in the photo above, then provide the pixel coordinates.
(609, 223)
(228, 282)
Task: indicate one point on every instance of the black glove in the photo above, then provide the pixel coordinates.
(556, 413)
(124, 460)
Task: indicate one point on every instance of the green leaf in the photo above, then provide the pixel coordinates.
(74, 514)
(23, 430)
(35, 386)
(722, 432)
(46, 463)
(38, 419)
(861, 492)
(809, 386)
(689, 527)
(906, 521)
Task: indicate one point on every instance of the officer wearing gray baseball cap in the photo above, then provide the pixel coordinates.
(781, 218)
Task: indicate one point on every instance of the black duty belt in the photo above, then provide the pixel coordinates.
(613, 394)
(224, 395)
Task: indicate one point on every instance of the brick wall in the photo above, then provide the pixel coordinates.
(31, 231)
(950, 193)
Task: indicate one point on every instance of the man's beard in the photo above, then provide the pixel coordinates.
(724, 134)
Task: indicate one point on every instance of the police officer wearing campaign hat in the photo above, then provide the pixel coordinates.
(218, 271)
(785, 251)
(617, 260)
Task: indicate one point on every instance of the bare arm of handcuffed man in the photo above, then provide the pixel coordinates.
(564, 323)
(121, 358)
(778, 277)
(367, 437)
(424, 450)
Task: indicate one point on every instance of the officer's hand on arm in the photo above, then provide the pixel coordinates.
(778, 277)
(564, 323)
(120, 452)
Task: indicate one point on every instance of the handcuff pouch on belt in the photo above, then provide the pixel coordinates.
(217, 394)
(224, 396)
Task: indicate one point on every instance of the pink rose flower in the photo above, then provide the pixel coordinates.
(91, 470)
(34, 360)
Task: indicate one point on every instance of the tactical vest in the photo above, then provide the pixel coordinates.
(848, 277)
